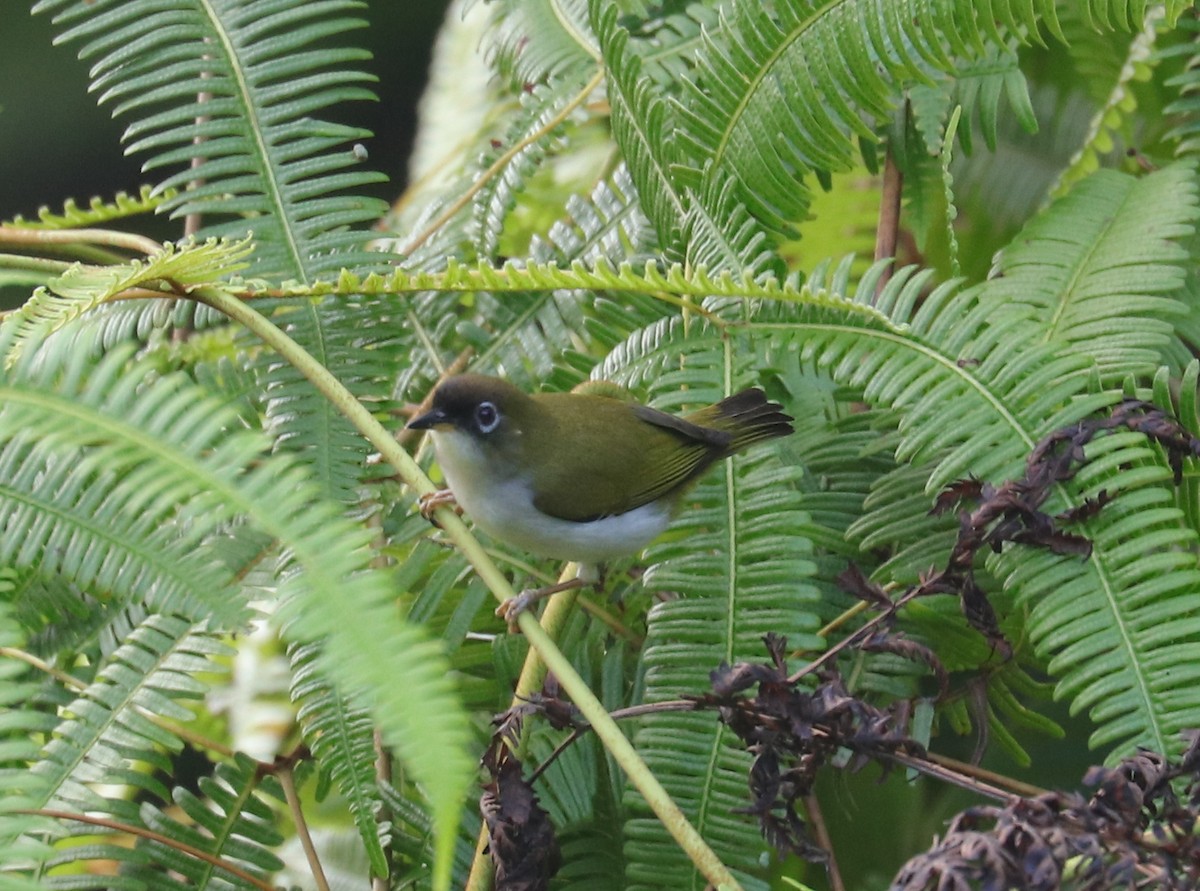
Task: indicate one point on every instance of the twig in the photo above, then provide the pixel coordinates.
(888, 231)
(284, 772)
(859, 635)
(953, 777)
(821, 832)
(1015, 786)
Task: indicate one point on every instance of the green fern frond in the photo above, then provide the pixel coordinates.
(230, 818)
(782, 91)
(541, 41)
(979, 86)
(667, 39)
(341, 738)
(112, 732)
(739, 562)
(166, 452)
(1103, 267)
(22, 845)
(1119, 627)
(1121, 103)
(83, 288)
(212, 81)
(643, 128)
(216, 84)
(492, 205)
(1008, 399)
(606, 225)
(98, 212)
(1186, 106)
(111, 533)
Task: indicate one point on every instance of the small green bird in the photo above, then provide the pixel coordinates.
(580, 476)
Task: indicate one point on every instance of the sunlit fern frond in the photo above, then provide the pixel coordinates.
(98, 211)
(83, 288)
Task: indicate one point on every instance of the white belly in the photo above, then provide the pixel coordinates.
(503, 508)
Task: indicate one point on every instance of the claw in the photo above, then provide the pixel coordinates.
(429, 502)
(512, 608)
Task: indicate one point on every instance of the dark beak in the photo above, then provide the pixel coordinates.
(429, 421)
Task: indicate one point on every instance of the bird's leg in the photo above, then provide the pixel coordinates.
(585, 574)
(431, 501)
(510, 609)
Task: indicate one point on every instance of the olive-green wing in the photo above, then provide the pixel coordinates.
(619, 456)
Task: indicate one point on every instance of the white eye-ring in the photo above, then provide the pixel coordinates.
(487, 418)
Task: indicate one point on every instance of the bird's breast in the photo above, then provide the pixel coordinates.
(502, 505)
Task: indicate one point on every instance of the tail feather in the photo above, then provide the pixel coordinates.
(749, 416)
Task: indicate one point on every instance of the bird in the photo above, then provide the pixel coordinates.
(586, 476)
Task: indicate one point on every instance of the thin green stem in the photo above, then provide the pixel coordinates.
(411, 474)
(129, 241)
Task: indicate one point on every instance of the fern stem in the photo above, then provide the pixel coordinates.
(821, 834)
(887, 233)
(287, 779)
(500, 163)
(112, 238)
(35, 264)
(589, 706)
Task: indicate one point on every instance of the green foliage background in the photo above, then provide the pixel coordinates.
(677, 197)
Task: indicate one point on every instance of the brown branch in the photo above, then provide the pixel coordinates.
(285, 773)
(821, 833)
(888, 231)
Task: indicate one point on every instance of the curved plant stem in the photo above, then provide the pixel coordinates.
(110, 237)
(410, 473)
(287, 780)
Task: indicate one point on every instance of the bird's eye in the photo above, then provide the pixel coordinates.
(486, 417)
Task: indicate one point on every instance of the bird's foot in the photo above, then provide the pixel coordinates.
(511, 609)
(429, 502)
